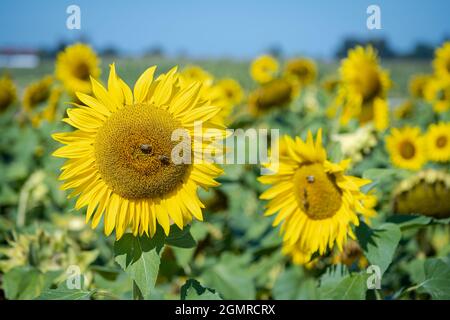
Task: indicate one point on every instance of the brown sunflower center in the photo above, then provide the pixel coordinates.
(407, 150)
(81, 71)
(133, 153)
(369, 85)
(441, 142)
(316, 192)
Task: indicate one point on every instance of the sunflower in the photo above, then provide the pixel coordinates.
(417, 85)
(264, 68)
(7, 92)
(120, 164)
(74, 67)
(404, 110)
(232, 90)
(441, 62)
(438, 142)
(437, 92)
(363, 88)
(302, 69)
(316, 202)
(276, 93)
(195, 73)
(351, 255)
(425, 193)
(406, 148)
(36, 93)
(49, 112)
(330, 84)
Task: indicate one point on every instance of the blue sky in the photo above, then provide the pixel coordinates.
(232, 28)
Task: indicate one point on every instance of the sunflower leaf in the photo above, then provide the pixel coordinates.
(193, 290)
(180, 238)
(379, 244)
(349, 287)
(437, 279)
(140, 258)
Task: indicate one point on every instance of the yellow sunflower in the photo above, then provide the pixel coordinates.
(315, 201)
(441, 62)
(7, 92)
(406, 148)
(404, 110)
(49, 112)
(417, 85)
(302, 69)
(120, 157)
(437, 92)
(426, 193)
(276, 93)
(37, 93)
(363, 88)
(264, 68)
(194, 73)
(438, 142)
(74, 67)
(232, 90)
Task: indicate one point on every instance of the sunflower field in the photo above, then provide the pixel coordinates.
(92, 206)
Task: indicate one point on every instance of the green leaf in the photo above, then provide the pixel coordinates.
(26, 282)
(231, 277)
(407, 222)
(292, 284)
(379, 244)
(437, 282)
(140, 258)
(65, 294)
(193, 290)
(350, 287)
(180, 238)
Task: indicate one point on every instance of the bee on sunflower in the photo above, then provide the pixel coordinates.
(316, 202)
(8, 93)
(119, 157)
(406, 148)
(437, 140)
(74, 67)
(264, 68)
(363, 88)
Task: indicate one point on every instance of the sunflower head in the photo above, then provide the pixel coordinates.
(121, 155)
(363, 87)
(232, 91)
(437, 92)
(74, 67)
(37, 93)
(315, 201)
(330, 84)
(425, 193)
(437, 141)
(406, 148)
(276, 93)
(264, 68)
(351, 255)
(441, 62)
(417, 85)
(7, 93)
(194, 73)
(404, 110)
(302, 69)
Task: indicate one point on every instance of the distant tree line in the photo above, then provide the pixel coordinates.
(421, 50)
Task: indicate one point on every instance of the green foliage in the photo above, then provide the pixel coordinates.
(193, 290)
